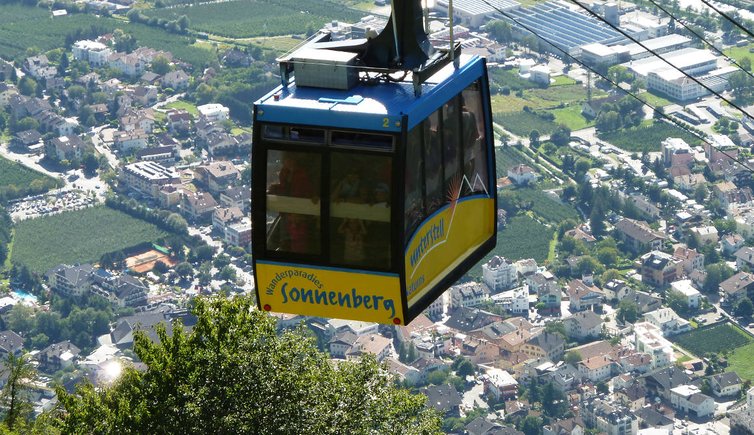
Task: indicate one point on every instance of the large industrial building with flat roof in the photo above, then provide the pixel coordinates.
(567, 29)
(474, 13)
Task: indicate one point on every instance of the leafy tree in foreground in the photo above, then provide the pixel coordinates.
(235, 374)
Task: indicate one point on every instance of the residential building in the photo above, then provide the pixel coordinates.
(596, 369)
(217, 176)
(238, 197)
(667, 321)
(25, 139)
(616, 289)
(121, 290)
(649, 339)
(57, 356)
(141, 120)
(584, 295)
(499, 274)
(731, 243)
(165, 155)
(638, 236)
(145, 95)
(66, 148)
(583, 325)
(686, 290)
(126, 141)
(147, 177)
(522, 174)
(689, 399)
(609, 417)
(224, 216)
(468, 295)
(726, 384)
(444, 398)
(706, 234)
(571, 426)
(374, 344)
(176, 80)
(213, 112)
(744, 257)
(660, 269)
(11, 344)
(545, 345)
(737, 287)
(96, 53)
(179, 121)
(690, 259)
(198, 206)
(239, 233)
(70, 280)
(499, 384)
(129, 64)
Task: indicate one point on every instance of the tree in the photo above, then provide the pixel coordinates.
(530, 425)
(744, 307)
(160, 65)
(184, 270)
(534, 138)
(607, 255)
(27, 86)
(160, 267)
(466, 368)
(716, 273)
(91, 163)
(233, 373)
(628, 311)
(228, 273)
(499, 30)
(561, 136)
(572, 357)
(556, 327)
(21, 374)
(183, 23)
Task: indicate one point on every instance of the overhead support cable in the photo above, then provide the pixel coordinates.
(675, 122)
(695, 33)
(654, 52)
(729, 18)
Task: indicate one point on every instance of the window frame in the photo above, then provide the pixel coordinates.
(325, 151)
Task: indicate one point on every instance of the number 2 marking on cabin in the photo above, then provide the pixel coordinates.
(385, 122)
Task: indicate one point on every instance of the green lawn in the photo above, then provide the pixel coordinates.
(562, 80)
(184, 105)
(78, 237)
(571, 117)
(742, 362)
(654, 100)
(739, 53)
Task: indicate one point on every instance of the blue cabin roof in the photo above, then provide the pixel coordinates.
(378, 107)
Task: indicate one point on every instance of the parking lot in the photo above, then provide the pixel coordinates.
(50, 203)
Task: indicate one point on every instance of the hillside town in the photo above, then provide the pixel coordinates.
(635, 319)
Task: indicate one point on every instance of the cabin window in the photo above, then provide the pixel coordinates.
(293, 202)
(473, 138)
(360, 195)
(414, 199)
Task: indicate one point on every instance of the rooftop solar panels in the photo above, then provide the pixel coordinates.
(479, 7)
(565, 28)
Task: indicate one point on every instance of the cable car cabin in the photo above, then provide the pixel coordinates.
(370, 202)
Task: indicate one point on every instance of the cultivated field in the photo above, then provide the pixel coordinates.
(719, 338)
(647, 138)
(78, 237)
(250, 18)
(17, 181)
(523, 237)
(15, 37)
